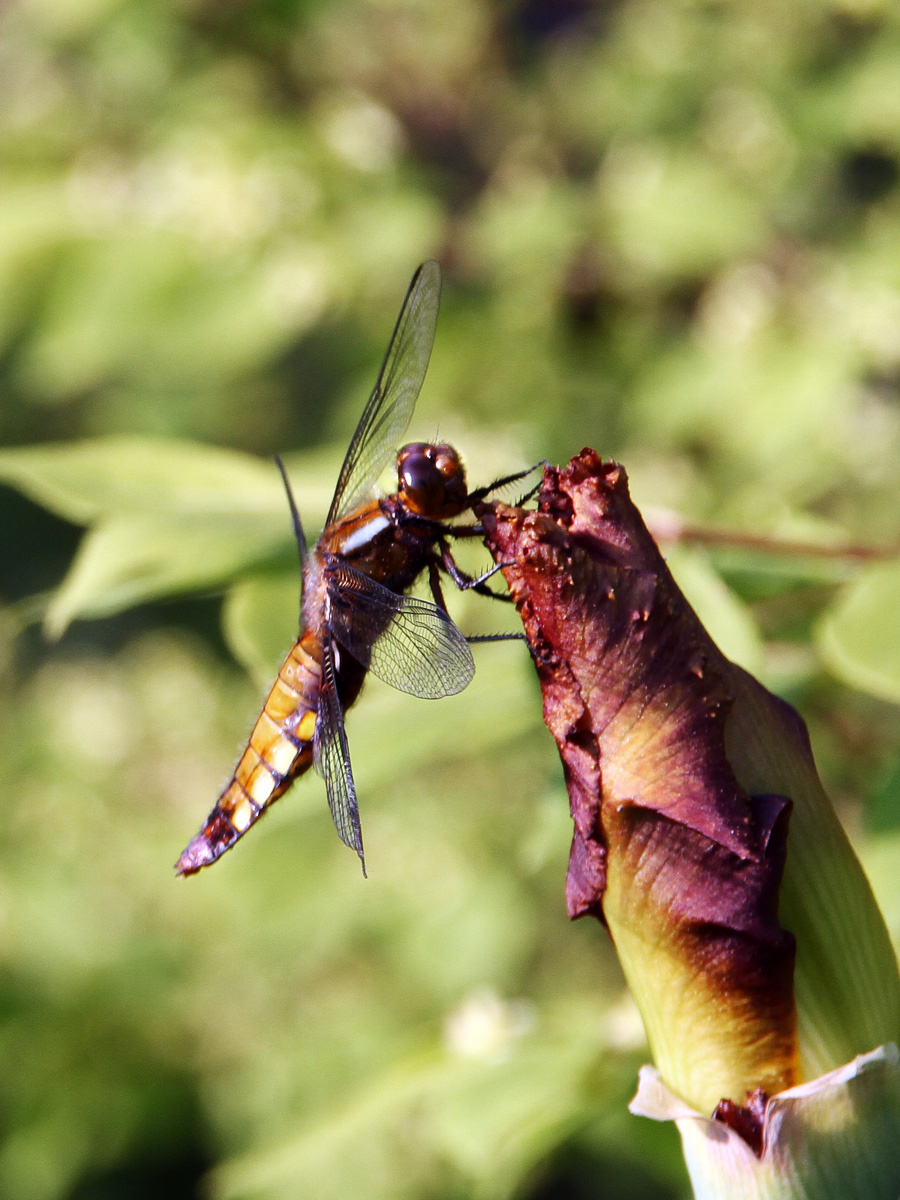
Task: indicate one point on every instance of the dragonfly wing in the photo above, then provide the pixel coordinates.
(331, 756)
(388, 411)
(409, 643)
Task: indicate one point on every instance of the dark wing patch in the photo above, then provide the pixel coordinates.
(389, 408)
(410, 644)
(331, 756)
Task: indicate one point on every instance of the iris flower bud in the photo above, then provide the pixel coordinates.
(703, 840)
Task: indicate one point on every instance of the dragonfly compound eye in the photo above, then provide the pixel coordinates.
(432, 480)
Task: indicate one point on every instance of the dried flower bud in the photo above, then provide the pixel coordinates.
(703, 840)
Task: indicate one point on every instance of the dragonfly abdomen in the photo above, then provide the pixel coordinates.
(279, 749)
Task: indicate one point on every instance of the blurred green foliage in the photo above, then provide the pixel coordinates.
(670, 230)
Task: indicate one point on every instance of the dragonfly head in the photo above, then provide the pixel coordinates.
(431, 480)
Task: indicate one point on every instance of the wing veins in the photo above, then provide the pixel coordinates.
(390, 406)
(332, 758)
(409, 643)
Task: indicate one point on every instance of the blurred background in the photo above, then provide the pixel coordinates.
(670, 231)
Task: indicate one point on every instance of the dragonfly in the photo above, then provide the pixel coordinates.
(355, 615)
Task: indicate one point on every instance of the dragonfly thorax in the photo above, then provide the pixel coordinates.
(431, 480)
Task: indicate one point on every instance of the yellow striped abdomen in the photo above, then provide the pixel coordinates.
(280, 748)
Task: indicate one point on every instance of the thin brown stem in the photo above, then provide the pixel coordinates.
(670, 531)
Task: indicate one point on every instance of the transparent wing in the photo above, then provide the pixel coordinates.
(409, 643)
(331, 757)
(391, 404)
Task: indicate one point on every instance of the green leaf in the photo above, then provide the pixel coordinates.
(880, 855)
(859, 638)
(260, 621)
(882, 805)
(165, 517)
(728, 620)
(83, 481)
(128, 561)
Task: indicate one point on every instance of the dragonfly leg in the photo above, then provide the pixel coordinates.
(465, 582)
(504, 481)
(497, 637)
(434, 581)
(528, 495)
